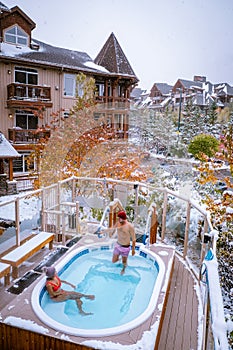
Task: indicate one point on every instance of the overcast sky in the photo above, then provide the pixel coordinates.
(164, 40)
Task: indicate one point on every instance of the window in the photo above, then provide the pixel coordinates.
(20, 165)
(26, 75)
(100, 89)
(25, 120)
(16, 35)
(69, 85)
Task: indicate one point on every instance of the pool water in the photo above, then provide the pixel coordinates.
(119, 299)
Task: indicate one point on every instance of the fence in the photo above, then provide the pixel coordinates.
(65, 206)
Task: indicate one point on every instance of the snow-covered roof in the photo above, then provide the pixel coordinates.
(6, 149)
(164, 88)
(51, 55)
(191, 84)
(166, 101)
(3, 7)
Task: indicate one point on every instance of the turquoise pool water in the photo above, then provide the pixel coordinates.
(119, 300)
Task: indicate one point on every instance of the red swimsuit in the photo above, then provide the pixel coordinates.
(54, 285)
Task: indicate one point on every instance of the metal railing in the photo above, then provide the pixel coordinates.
(68, 194)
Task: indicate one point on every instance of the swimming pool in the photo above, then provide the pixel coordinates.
(121, 302)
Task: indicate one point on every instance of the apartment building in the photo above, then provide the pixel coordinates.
(38, 79)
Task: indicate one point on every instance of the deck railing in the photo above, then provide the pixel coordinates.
(62, 201)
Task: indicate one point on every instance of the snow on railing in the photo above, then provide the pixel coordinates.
(214, 301)
(213, 286)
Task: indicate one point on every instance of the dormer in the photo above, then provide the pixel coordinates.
(16, 27)
(16, 35)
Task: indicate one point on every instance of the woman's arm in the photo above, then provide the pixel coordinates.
(70, 284)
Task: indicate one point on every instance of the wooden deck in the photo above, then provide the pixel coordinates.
(179, 330)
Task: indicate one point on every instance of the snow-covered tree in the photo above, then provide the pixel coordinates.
(155, 131)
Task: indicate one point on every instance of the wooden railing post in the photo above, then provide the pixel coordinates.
(77, 218)
(164, 216)
(136, 203)
(154, 226)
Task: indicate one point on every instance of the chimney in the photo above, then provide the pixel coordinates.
(199, 78)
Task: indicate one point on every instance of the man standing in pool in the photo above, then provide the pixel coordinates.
(125, 232)
(53, 285)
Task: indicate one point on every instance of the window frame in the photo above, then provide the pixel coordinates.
(27, 115)
(27, 72)
(69, 91)
(18, 36)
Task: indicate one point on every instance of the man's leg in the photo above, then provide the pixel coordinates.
(124, 262)
(115, 258)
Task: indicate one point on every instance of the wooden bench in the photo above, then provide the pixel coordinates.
(5, 270)
(20, 254)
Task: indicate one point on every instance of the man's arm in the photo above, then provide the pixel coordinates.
(133, 237)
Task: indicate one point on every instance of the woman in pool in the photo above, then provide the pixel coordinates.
(56, 293)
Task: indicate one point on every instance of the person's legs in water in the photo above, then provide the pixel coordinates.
(123, 252)
(77, 297)
(124, 262)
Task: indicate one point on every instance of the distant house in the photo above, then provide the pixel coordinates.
(201, 92)
(160, 95)
(38, 77)
(223, 93)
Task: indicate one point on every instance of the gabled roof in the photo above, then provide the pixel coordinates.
(51, 56)
(113, 58)
(57, 57)
(5, 12)
(164, 88)
(136, 93)
(3, 8)
(190, 84)
(6, 149)
(223, 89)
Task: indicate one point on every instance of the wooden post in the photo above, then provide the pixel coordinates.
(164, 216)
(186, 235)
(10, 169)
(154, 226)
(77, 217)
(136, 203)
(114, 217)
(17, 225)
(110, 219)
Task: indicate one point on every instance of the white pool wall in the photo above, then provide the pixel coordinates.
(35, 298)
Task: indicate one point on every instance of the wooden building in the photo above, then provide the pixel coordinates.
(38, 79)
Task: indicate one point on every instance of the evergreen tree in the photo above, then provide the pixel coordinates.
(193, 122)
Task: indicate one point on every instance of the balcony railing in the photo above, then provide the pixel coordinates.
(113, 102)
(28, 95)
(27, 135)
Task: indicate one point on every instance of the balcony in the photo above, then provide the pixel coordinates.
(27, 135)
(32, 96)
(113, 102)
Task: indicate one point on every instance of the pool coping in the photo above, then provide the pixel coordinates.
(20, 306)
